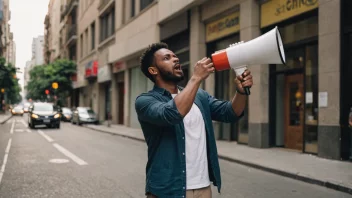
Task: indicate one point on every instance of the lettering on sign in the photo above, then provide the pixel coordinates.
(223, 27)
(277, 10)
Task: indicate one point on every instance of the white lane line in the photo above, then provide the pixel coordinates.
(19, 130)
(29, 131)
(12, 126)
(45, 136)
(23, 122)
(73, 157)
(7, 151)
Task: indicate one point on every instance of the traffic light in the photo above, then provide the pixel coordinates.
(46, 92)
(55, 85)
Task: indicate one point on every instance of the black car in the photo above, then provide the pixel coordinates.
(43, 114)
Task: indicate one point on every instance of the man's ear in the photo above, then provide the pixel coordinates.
(153, 70)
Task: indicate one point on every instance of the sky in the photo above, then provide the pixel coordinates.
(27, 22)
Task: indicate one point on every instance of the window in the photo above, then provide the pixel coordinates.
(92, 30)
(81, 42)
(145, 3)
(133, 6)
(107, 25)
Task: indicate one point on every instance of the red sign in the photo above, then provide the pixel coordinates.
(74, 77)
(91, 69)
(119, 66)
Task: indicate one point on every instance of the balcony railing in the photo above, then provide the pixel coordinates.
(71, 33)
(69, 6)
(103, 3)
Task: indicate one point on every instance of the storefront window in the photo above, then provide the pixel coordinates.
(139, 83)
(311, 104)
(299, 31)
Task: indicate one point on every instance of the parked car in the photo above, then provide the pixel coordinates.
(84, 115)
(66, 114)
(43, 114)
(18, 110)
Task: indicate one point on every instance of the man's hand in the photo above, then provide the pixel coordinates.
(245, 80)
(203, 68)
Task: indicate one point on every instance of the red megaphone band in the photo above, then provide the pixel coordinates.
(220, 60)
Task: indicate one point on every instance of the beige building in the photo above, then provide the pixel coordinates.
(52, 31)
(296, 106)
(96, 31)
(7, 45)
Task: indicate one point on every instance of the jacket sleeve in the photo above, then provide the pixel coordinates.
(222, 111)
(153, 111)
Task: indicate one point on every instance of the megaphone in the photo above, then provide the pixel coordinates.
(266, 49)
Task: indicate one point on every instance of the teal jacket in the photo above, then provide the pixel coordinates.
(164, 133)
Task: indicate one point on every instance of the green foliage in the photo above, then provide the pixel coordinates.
(42, 77)
(9, 83)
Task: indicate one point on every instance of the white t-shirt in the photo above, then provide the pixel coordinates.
(196, 149)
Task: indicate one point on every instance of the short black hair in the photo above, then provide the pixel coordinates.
(147, 58)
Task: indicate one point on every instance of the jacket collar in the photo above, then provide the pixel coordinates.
(164, 91)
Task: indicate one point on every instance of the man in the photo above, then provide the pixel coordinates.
(177, 125)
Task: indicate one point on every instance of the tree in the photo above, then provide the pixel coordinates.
(42, 77)
(9, 83)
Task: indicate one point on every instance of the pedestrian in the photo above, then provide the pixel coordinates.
(177, 125)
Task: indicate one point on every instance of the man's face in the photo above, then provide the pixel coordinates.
(168, 65)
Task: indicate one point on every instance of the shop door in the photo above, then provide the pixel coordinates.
(121, 98)
(294, 108)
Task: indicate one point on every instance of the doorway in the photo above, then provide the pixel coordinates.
(121, 101)
(294, 108)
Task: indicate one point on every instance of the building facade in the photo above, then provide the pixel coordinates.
(302, 105)
(52, 31)
(37, 50)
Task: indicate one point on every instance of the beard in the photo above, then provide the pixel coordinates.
(170, 77)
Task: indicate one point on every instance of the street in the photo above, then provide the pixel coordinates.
(74, 161)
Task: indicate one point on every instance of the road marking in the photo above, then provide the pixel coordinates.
(29, 131)
(45, 136)
(59, 161)
(24, 123)
(69, 154)
(12, 126)
(19, 130)
(7, 151)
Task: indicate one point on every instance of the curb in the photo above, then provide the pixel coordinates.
(295, 176)
(6, 119)
(117, 134)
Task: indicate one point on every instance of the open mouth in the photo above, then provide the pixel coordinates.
(178, 67)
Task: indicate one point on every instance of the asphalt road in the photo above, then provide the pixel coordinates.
(77, 162)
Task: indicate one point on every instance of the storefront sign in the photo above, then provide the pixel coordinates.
(275, 11)
(223, 27)
(119, 66)
(104, 74)
(91, 69)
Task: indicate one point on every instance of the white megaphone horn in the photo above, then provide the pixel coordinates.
(266, 49)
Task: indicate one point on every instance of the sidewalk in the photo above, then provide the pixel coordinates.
(4, 117)
(309, 168)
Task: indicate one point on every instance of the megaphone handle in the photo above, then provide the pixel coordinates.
(246, 89)
(240, 71)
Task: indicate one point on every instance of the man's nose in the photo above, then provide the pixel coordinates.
(176, 60)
